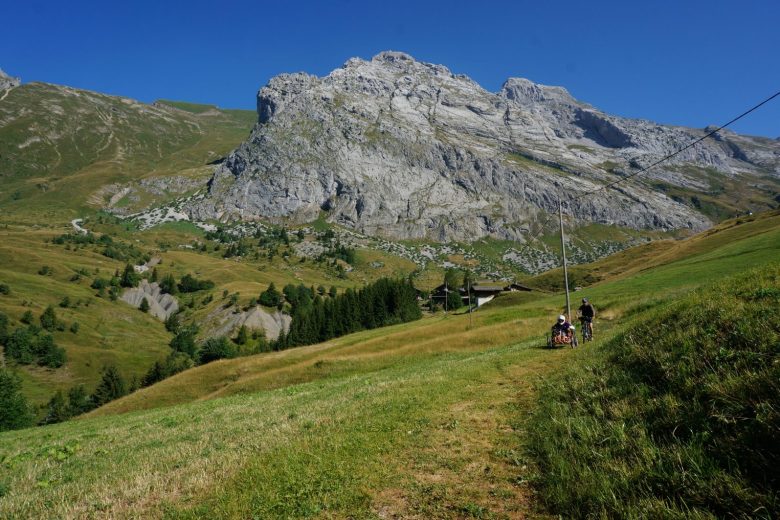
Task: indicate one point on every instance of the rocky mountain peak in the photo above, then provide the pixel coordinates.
(526, 92)
(398, 147)
(393, 57)
(8, 82)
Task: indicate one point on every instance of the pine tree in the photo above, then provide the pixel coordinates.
(56, 409)
(172, 323)
(144, 307)
(270, 297)
(129, 277)
(3, 328)
(14, 411)
(454, 300)
(153, 277)
(19, 345)
(333, 291)
(184, 341)
(79, 401)
(243, 336)
(112, 386)
(168, 284)
(217, 348)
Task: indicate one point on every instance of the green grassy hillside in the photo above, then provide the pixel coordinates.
(657, 275)
(677, 417)
(112, 332)
(60, 147)
(426, 419)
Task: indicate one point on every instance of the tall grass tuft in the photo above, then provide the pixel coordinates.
(677, 417)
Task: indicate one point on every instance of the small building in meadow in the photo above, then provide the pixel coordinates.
(481, 294)
(514, 287)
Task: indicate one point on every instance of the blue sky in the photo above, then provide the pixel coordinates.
(691, 63)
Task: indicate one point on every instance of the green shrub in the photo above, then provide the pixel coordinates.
(49, 319)
(173, 364)
(184, 341)
(189, 283)
(168, 284)
(676, 417)
(217, 348)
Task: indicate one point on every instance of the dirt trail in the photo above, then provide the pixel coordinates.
(472, 463)
(6, 93)
(76, 223)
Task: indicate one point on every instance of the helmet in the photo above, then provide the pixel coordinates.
(584, 300)
(561, 318)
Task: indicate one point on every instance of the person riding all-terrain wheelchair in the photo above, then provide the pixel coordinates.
(562, 334)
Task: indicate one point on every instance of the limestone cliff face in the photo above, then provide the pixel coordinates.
(406, 149)
(7, 82)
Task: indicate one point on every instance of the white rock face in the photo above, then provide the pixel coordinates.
(406, 149)
(226, 322)
(7, 82)
(161, 305)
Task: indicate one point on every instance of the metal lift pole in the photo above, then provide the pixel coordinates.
(565, 268)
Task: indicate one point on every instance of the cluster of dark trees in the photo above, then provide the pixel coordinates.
(109, 247)
(316, 319)
(127, 278)
(16, 413)
(187, 284)
(77, 401)
(241, 246)
(186, 352)
(340, 252)
(31, 344)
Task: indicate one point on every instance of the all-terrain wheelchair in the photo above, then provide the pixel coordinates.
(560, 339)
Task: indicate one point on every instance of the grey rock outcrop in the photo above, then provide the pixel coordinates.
(8, 82)
(406, 149)
(161, 305)
(225, 322)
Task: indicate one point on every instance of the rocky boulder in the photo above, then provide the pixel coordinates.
(7, 82)
(161, 305)
(225, 322)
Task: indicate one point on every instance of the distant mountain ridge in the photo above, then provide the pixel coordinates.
(406, 149)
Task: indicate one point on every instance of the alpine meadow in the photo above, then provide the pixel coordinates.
(388, 292)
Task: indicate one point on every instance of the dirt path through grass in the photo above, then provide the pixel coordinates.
(471, 463)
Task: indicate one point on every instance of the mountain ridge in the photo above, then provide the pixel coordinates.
(407, 149)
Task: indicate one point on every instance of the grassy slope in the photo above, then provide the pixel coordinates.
(676, 268)
(110, 332)
(421, 419)
(59, 146)
(657, 253)
(115, 333)
(675, 418)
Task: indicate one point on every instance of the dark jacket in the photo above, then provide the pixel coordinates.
(587, 310)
